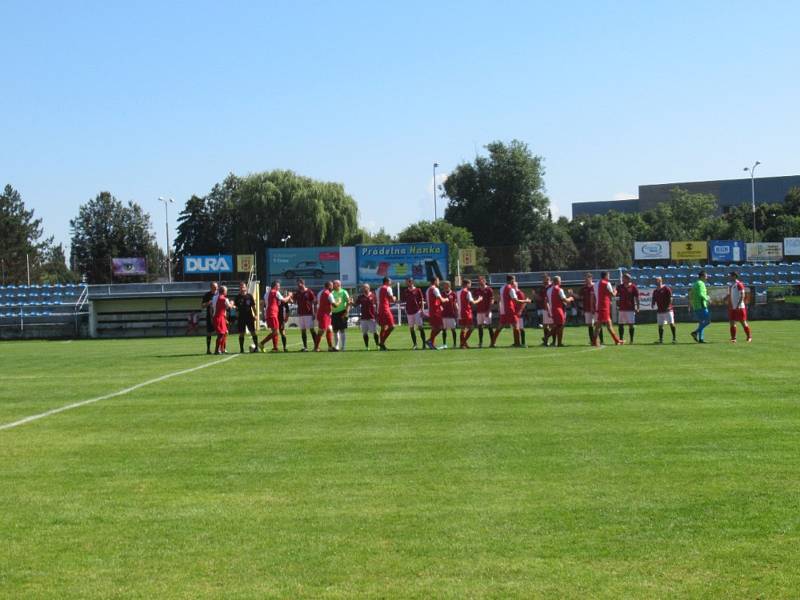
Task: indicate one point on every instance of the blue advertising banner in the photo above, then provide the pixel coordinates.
(420, 260)
(726, 251)
(314, 265)
(222, 263)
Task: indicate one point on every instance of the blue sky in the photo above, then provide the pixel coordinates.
(146, 99)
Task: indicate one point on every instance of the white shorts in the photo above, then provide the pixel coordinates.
(540, 312)
(546, 318)
(521, 322)
(485, 318)
(589, 318)
(368, 326)
(666, 318)
(305, 322)
(626, 317)
(414, 320)
(449, 323)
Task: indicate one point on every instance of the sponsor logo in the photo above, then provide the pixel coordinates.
(652, 249)
(208, 264)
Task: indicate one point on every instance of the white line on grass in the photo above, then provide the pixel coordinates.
(112, 395)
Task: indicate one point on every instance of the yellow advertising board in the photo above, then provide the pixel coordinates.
(244, 262)
(467, 257)
(689, 250)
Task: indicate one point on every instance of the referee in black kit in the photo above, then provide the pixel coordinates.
(246, 316)
(209, 299)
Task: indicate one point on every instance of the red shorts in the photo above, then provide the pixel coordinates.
(509, 319)
(603, 317)
(737, 314)
(385, 319)
(273, 322)
(221, 326)
(559, 317)
(465, 322)
(436, 322)
(324, 320)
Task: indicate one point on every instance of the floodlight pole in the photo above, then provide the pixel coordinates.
(167, 202)
(753, 194)
(435, 209)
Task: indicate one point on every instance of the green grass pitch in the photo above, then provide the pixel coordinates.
(633, 472)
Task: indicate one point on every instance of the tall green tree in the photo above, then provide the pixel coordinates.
(20, 235)
(105, 228)
(21, 245)
(249, 214)
(499, 198)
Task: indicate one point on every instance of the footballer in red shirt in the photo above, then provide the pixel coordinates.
(508, 311)
(435, 301)
(662, 302)
(557, 302)
(221, 306)
(524, 300)
(305, 300)
(541, 305)
(588, 307)
(484, 310)
(413, 298)
(737, 307)
(603, 294)
(384, 298)
(627, 306)
(449, 312)
(272, 301)
(368, 310)
(465, 303)
(325, 303)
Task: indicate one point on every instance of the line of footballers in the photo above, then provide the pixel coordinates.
(324, 315)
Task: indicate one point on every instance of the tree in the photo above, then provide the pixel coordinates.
(252, 213)
(499, 198)
(686, 216)
(105, 228)
(379, 237)
(792, 202)
(603, 241)
(21, 245)
(552, 247)
(20, 235)
(441, 231)
(52, 266)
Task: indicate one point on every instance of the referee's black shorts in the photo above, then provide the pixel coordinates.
(247, 325)
(210, 329)
(339, 321)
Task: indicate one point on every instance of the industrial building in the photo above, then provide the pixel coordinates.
(728, 192)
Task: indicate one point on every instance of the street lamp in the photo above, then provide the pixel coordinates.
(753, 194)
(285, 239)
(167, 202)
(435, 211)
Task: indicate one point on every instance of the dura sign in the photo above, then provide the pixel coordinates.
(208, 264)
